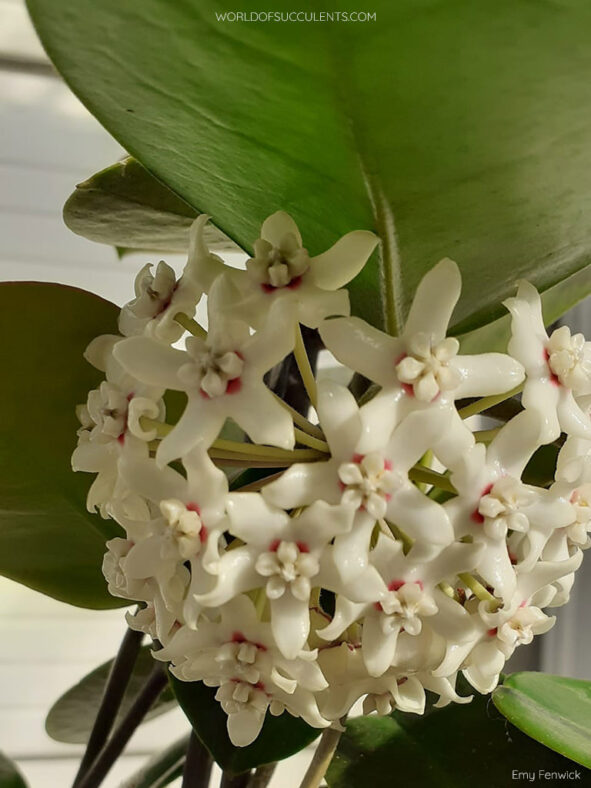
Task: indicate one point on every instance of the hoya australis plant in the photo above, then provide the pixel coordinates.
(304, 558)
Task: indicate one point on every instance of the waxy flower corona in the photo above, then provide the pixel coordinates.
(371, 553)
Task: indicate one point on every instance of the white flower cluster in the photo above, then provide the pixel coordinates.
(389, 546)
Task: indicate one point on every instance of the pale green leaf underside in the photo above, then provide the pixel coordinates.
(125, 206)
(554, 710)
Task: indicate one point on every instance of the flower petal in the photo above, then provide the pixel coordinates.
(150, 361)
(343, 261)
(487, 374)
(512, 448)
(201, 422)
(235, 574)
(304, 483)
(378, 648)
(290, 624)
(315, 305)
(434, 301)
(339, 415)
(277, 226)
(262, 417)
(254, 520)
(363, 348)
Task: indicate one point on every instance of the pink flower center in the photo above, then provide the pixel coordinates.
(293, 285)
(554, 379)
(476, 516)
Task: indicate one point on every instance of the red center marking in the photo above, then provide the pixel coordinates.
(274, 546)
(492, 632)
(232, 387)
(238, 637)
(406, 387)
(121, 437)
(554, 379)
(476, 516)
(166, 304)
(292, 285)
(194, 507)
(396, 585)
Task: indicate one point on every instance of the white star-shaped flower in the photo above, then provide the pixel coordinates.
(238, 654)
(374, 482)
(159, 297)
(492, 499)
(412, 596)
(287, 557)
(222, 377)
(422, 369)
(282, 270)
(558, 368)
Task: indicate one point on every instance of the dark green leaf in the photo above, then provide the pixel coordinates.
(555, 302)
(10, 777)
(541, 468)
(452, 128)
(48, 541)
(554, 710)
(125, 206)
(71, 718)
(280, 737)
(455, 747)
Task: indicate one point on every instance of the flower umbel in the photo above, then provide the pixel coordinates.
(371, 553)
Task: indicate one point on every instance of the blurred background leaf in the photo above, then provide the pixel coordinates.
(10, 777)
(72, 716)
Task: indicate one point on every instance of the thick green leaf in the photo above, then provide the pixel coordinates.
(71, 718)
(455, 747)
(280, 737)
(10, 777)
(125, 206)
(452, 128)
(541, 469)
(48, 541)
(555, 302)
(554, 710)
